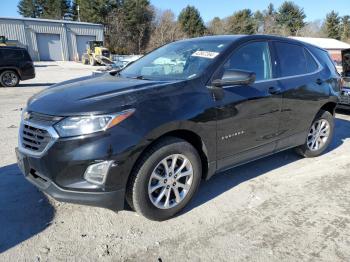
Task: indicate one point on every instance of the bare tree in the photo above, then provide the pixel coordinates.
(115, 32)
(216, 26)
(165, 29)
(313, 29)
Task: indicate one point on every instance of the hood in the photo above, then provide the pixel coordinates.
(94, 95)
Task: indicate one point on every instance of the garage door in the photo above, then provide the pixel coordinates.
(50, 47)
(81, 43)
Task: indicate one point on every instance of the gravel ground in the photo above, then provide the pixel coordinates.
(281, 208)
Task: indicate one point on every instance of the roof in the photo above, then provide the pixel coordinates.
(246, 37)
(12, 47)
(48, 21)
(325, 43)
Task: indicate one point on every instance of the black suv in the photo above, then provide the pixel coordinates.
(148, 134)
(15, 65)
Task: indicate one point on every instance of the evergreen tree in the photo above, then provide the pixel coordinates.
(290, 17)
(55, 9)
(241, 22)
(332, 25)
(30, 8)
(138, 16)
(345, 28)
(49, 9)
(94, 11)
(191, 22)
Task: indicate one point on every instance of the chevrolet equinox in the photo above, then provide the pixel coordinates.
(145, 136)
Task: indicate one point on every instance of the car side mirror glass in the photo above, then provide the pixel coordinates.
(235, 77)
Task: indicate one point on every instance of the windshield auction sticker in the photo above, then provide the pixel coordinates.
(205, 54)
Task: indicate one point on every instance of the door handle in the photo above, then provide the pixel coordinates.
(274, 90)
(319, 81)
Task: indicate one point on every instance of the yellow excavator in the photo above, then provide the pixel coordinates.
(5, 42)
(96, 54)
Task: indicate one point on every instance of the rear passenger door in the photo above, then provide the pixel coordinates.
(298, 74)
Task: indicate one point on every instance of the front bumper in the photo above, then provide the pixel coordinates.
(344, 99)
(83, 194)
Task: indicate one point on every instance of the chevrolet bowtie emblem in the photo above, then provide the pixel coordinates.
(26, 116)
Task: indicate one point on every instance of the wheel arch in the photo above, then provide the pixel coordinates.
(330, 107)
(16, 70)
(189, 136)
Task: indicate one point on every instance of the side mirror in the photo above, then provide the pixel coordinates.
(235, 77)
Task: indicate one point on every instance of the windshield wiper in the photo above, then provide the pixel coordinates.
(115, 72)
(140, 77)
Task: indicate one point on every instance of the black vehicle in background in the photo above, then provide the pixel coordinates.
(15, 65)
(344, 102)
(148, 134)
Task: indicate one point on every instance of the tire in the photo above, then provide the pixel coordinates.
(85, 60)
(9, 78)
(172, 150)
(325, 135)
(92, 61)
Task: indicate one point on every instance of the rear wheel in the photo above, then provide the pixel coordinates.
(165, 179)
(320, 135)
(9, 78)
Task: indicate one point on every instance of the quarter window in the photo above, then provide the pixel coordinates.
(252, 57)
(312, 66)
(11, 55)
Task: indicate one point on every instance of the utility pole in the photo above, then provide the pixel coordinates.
(78, 9)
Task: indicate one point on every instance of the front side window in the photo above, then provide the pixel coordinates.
(252, 57)
(294, 60)
(177, 61)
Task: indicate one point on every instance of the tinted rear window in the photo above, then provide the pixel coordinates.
(11, 54)
(292, 60)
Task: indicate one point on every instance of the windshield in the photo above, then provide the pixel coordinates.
(176, 61)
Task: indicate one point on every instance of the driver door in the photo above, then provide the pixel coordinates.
(248, 115)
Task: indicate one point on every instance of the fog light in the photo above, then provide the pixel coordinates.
(97, 173)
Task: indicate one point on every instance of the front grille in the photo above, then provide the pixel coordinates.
(344, 99)
(34, 139)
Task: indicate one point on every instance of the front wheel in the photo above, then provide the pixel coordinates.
(165, 179)
(320, 135)
(93, 61)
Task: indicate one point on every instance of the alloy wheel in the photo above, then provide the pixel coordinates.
(318, 135)
(170, 181)
(9, 79)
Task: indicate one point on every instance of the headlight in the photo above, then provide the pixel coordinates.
(84, 125)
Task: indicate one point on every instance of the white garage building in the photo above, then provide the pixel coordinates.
(51, 40)
(333, 46)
